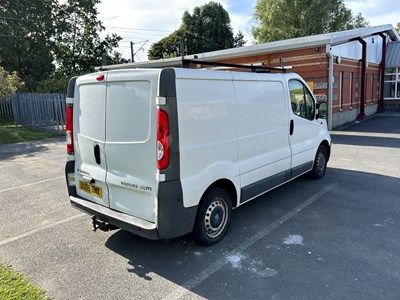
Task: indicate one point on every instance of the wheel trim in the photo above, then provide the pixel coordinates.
(321, 162)
(215, 218)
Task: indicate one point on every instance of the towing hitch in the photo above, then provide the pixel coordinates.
(103, 226)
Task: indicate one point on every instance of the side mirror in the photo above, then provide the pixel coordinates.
(322, 110)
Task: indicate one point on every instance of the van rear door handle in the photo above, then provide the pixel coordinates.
(291, 127)
(97, 154)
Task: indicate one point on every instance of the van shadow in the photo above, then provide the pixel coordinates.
(372, 128)
(180, 260)
(374, 141)
(378, 124)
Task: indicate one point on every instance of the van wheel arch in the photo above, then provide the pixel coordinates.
(320, 162)
(213, 216)
(221, 194)
(226, 185)
(327, 147)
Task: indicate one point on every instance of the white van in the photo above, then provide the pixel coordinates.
(165, 152)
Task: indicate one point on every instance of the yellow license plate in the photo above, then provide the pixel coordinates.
(91, 189)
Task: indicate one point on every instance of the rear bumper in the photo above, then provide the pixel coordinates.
(121, 220)
(173, 218)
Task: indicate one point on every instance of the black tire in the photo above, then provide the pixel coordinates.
(213, 217)
(321, 159)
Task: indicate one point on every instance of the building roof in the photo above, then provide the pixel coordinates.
(334, 38)
(393, 55)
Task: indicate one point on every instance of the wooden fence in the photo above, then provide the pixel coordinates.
(6, 111)
(39, 111)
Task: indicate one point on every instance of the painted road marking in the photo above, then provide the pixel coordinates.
(29, 233)
(30, 184)
(200, 277)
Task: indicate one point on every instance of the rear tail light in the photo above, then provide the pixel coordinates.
(69, 129)
(162, 139)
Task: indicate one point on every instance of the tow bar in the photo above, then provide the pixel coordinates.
(103, 226)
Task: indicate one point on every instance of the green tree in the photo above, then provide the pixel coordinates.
(238, 40)
(78, 46)
(206, 29)
(398, 28)
(281, 19)
(9, 83)
(26, 28)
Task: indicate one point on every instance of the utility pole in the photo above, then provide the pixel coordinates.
(141, 48)
(133, 60)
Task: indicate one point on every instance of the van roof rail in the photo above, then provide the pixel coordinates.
(258, 69)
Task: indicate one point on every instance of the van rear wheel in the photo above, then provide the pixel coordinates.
(320, 162)
(213, 217)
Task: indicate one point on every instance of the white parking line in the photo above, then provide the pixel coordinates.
(1, 167)
(20, 236)
(29, 184)
(200, 277)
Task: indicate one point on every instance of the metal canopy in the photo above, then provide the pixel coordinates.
(393, 55)
(334, 38)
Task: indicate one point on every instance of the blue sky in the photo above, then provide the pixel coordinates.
(144, 20)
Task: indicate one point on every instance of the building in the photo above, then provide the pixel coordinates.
(345, 69)
(392, 77)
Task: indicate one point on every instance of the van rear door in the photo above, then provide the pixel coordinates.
(131, 142)
(89, 138)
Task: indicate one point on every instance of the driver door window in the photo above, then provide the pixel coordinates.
(302, 102)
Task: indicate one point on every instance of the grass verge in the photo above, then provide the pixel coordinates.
(9, 133)
(14, 286)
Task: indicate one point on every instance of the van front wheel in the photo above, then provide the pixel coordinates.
(321, 159)
(213, 217)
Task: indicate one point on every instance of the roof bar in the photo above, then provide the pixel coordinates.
(187, 62)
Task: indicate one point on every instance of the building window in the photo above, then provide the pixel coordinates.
(392, 84)
(351, 90)
(372, 88)
(341, 90)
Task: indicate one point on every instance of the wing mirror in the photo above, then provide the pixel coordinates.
(322, 110)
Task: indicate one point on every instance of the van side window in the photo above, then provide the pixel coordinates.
(302, 102)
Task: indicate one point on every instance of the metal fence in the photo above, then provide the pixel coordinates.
(40, 111)
(6, 111)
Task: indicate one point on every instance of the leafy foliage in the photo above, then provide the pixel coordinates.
(25, 39)
(9, 83)
(280, 19)
(238, 40)
(398, 28)
(206, 29)
(46, 41)
(78, 47)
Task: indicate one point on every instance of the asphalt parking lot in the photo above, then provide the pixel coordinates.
(334, 238)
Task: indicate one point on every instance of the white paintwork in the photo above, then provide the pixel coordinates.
(130, 142)
(232, 125)
(263, 126)
(304, 141)
(89, 131)
(207, 131)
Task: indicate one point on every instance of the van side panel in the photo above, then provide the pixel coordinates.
(263, 129)
(207, 131)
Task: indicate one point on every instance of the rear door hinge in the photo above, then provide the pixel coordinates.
(161, 101)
